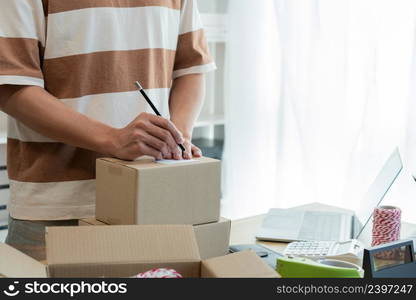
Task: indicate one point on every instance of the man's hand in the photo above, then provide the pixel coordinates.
(191, 150)
(147, 135)
(186, 99)
(39, 110)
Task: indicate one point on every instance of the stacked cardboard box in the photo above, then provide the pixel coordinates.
(147, 192)
(124, 251)
(162, 215)
(213, 238)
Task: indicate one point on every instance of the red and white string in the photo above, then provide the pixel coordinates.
(159, 273)
(386, 229)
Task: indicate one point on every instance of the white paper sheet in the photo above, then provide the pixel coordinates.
(175, 162)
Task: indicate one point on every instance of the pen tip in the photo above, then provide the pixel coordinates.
(139, 85)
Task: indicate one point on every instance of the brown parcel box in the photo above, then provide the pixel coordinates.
(123, 251)
(213, 239)
(145, 192)
(90, 222)
(237, 265)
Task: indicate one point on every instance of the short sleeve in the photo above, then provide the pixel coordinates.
(192, 53)
(22, 40)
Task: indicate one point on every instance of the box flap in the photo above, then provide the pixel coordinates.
(90, 222)
(237, 265)
(121, 244)
(14, 263)
(213, 238)
(147, 162)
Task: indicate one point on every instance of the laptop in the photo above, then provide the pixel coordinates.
(289, 225)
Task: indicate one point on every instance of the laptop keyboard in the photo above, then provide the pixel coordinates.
(318, 226)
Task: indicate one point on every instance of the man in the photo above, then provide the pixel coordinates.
(67, 73)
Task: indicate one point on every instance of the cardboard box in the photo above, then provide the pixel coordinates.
(90, 222)
(237, 265)
(124, 251)
(146, 192)
(213, 239)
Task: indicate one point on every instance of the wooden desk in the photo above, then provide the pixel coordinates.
(243, 231)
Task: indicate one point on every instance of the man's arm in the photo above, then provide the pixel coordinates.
(42, 112)
(186, 100)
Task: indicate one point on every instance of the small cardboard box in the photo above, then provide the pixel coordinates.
(237, 265)
(146, 192)
(124, 251)
(213, 239)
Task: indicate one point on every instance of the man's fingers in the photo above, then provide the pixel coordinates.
(169, 126)
(191, 151)
(157, 144)
(196, 152)
(161, 129)
(150, 151)
(166, 137)
(187, 154)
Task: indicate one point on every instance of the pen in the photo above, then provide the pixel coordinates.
(141, 90)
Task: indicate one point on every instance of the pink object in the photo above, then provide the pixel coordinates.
(386, 228)
(159, 273)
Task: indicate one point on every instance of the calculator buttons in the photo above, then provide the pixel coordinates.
(313, 249)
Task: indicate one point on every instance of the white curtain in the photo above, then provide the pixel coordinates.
(319, 93)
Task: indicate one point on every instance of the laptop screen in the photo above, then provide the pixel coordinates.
(379, 189)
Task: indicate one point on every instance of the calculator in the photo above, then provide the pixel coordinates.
(323, 249)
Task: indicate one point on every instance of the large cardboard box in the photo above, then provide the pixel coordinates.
(90, 222)
(148, 192)
(213, 239)
(124, 251)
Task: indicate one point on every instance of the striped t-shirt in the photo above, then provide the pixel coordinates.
(88, 54)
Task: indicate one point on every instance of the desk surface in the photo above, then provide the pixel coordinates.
(244, 231)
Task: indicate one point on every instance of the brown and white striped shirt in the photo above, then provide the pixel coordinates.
(88, 53)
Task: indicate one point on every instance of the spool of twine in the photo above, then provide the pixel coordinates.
(386, 229)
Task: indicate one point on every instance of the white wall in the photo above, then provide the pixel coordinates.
(213, 6)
